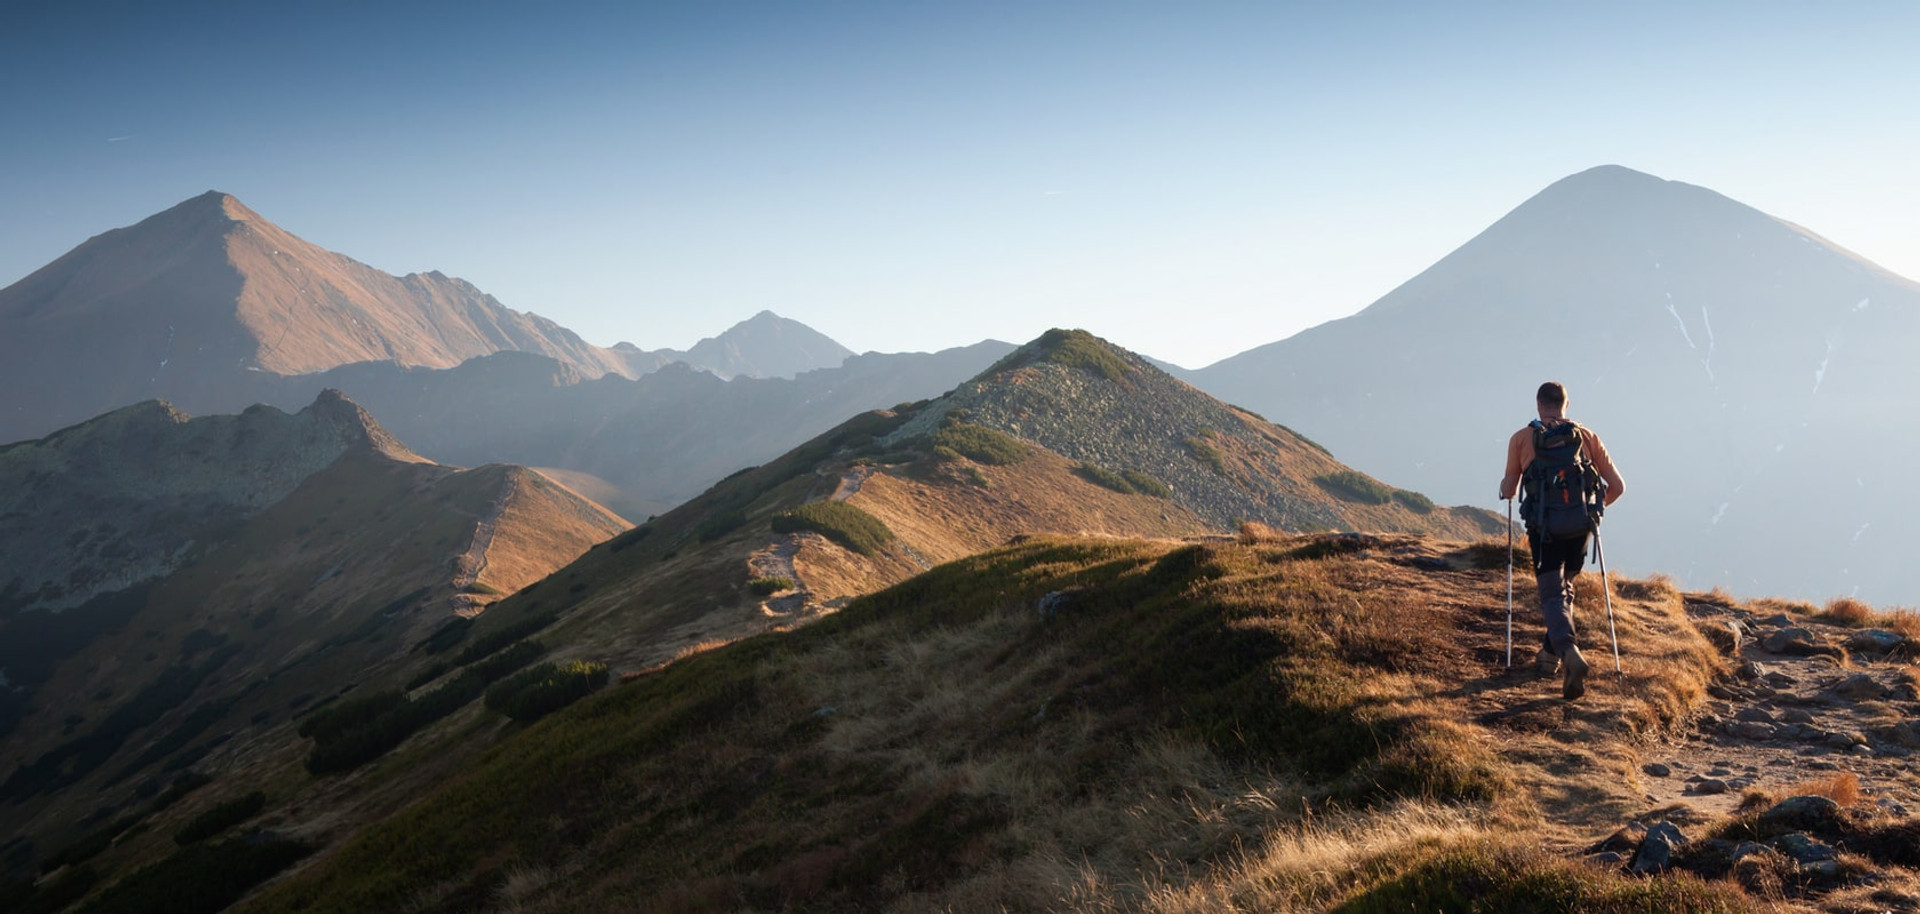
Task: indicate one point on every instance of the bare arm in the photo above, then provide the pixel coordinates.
(1603, 462)
(1510, 482)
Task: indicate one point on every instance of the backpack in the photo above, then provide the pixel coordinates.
(1561, 492)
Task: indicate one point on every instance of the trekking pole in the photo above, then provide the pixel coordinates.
(1510, 583)
(1606, 588)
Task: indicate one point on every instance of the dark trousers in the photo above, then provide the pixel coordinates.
(1556, 563)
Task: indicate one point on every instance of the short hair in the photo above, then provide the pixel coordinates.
(1552, 393)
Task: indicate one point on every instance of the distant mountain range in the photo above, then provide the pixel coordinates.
(177, 585)
(217, 580)
(191, 304)
(1745, 373)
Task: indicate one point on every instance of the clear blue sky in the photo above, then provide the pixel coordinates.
(1186, 179)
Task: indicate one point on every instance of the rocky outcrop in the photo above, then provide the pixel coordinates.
(126, 497)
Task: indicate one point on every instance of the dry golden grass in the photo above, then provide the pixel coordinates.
(1842, 788)
(1901, 619)
(1253, 533)
(1846, 611)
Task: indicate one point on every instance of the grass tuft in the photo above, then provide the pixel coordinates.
(1847, 611)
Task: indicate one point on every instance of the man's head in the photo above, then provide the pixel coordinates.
(1551, 398)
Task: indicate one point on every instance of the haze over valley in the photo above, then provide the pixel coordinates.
(877, 457)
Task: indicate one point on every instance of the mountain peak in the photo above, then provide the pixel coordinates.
(340, 412)
(769, 346)
(1075, 349)
(212, 205)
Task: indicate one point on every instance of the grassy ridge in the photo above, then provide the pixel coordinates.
(896, 745)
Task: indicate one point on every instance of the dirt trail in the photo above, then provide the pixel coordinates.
(1793, 715)
(472, 563)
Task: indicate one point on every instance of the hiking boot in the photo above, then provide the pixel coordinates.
(1576, 682)
(1546, 662)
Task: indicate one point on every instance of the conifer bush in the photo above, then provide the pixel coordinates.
(1349, 485)
(220, 818)
(534, 693)
(980, 444)
(838, 521)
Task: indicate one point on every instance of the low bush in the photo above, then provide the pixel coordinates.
(201, 877)
(503, 636)
(354, 733)
(532, 694)
(1413, 501)
(1349, 485)
(838, 521)
(981, 444)
(768, 586)
(220, 818)
(1204, 451)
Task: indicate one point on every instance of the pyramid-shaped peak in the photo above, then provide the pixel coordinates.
(212, 205)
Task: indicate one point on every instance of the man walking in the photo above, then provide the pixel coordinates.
(1565, 478)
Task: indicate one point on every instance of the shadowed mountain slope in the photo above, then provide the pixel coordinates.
(1741, 369)
(226, 572)
(657, 440)
(1070, 724)
(124, 498)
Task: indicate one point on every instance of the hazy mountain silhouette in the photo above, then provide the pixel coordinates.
(189, 304)
(1744, 372)
(766, 345)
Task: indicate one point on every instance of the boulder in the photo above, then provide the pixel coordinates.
(1626, 839)
(1859, 687)
(1810, 812)
(1657, 770)
(1754, 730)
(1792, 640)
(1801, 848)
(1725, 635)
(1657, 849)
(1874, 641)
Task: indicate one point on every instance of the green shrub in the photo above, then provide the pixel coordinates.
(1101, 476)
(220, 818)
(451, 632)
(838, 521)
(768, 586)
(87, 846)
(1130, 482)
(186, 783)
(343, 742)
(1349, 485)
(1146, 485)
(1083, 350)
(532, 694)
(200, 877)
(1204, 451)
(503, 636)
(427, 675)
(981, 444)
(1413, 501)
(720, 525)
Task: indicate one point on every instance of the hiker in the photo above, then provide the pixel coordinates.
(1565, 478)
